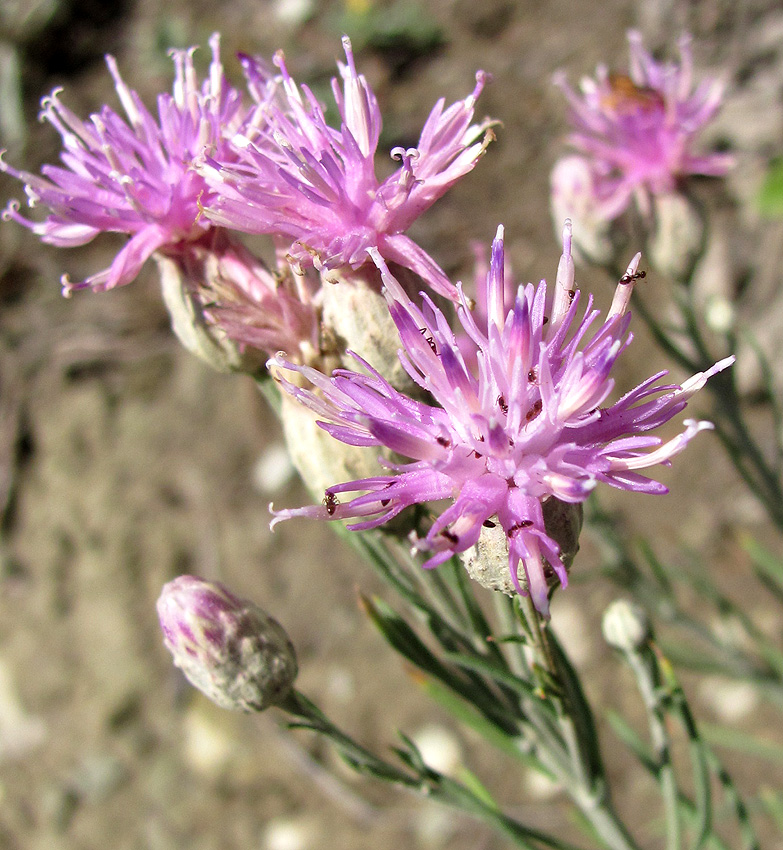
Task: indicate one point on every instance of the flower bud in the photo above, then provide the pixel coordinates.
(189, 323)
(227, 647)
(358, 316)
(319, 459)
(625, 626)
(232, 311)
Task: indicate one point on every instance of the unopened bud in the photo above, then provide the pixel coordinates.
(625, 626)
(356, 313)
(320, 459)
(200, 337)
(227, 647)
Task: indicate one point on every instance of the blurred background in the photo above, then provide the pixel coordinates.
(124, 461)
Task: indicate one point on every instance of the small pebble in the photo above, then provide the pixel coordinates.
(540, 787)
(729, 701)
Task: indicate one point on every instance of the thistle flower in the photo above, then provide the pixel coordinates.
(639, 131)
(226, 646)
(134, 175)
(299, 177)
(532, 424)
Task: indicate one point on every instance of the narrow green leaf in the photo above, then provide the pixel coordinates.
(404, 640)
(631, 740)
(698, 751)
(770, 198)
(477, 788)
(656, 567)
(772, 801)
(513, 745)
(578, 707)
(400, 635)
(765, 562)
(498, 674)
(752, 745)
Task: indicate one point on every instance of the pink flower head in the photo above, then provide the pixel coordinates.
(134, 175)
(532, 424)
(639, 131)
(316, 185)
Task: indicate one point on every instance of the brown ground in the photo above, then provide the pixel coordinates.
(124, 461)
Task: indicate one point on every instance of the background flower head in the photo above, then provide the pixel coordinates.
(134, 175)
(639, 131)
(297, 176)
(533, 422)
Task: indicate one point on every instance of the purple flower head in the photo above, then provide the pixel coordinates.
(533, 423)
(316, 185)
(134, 175)
(226, 646)
(639, 131)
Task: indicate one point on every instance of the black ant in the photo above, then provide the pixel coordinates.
(525, 523)
(429, 340)
(330, 503)
(630, 278)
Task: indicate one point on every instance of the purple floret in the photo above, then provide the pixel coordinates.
(135, 175)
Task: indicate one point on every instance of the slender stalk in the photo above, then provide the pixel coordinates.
(418, 777)
(646, 681)
(591, 796)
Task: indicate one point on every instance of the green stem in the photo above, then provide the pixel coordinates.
(424, 780)
(583, 781)
(646, 681)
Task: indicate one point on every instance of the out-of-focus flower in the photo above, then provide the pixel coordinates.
(135, 175)
(227, 647)
(299, 177)
(639, 130)
(573, 195)
(531, 425)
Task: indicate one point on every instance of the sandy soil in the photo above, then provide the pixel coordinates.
(124, 462)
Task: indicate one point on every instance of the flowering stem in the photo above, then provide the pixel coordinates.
(647, 683)
(419, 778)
(563, 736)
(585, 781)
(543, 647)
